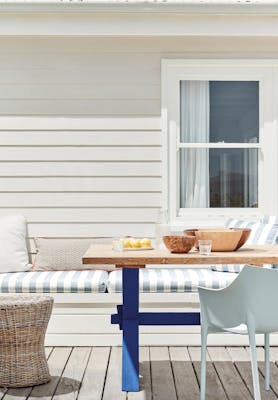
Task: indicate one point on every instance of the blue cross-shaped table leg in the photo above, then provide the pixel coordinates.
(130, 325)
(129, 320)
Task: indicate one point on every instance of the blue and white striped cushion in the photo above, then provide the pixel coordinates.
(173, 280)
(260, 234)
(54, 282)
(269, 219)
(237, 223)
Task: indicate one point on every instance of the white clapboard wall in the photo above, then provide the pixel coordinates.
(79, 76)
(102, 76)
(80, 135)
(81, 176)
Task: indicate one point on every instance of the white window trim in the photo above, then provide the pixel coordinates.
(264, 71)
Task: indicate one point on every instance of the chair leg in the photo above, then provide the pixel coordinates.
(255, 373)
(266, 361)
(204, 335)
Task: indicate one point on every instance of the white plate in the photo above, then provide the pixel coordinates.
(138, 248)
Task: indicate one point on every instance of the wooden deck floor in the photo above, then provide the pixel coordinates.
(168, 373)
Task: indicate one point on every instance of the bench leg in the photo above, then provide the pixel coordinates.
(130, 325)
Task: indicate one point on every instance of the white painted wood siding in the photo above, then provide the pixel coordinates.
(81, 176)
(80, 138)
(98, 76)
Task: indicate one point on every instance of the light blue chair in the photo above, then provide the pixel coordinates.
(247, 306)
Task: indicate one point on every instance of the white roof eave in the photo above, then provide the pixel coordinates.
(255, 7)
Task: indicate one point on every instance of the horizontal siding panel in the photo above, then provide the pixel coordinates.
(50, 153)
(119, 46)
(77, 73)
(81, 176)
(105, 229)
(26, 168)
(79, 200)
(77, 61)
(80, 107)
(78, 138)
(74, 90)
(94, 215)
(50, 80)
(77, 123)
(82, 184)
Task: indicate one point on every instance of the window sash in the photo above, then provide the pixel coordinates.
(266, 73)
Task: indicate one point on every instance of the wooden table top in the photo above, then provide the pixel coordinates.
(255, 255)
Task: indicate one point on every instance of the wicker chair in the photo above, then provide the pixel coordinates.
(23, 323)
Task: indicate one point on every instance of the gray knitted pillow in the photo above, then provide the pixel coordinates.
(60, 254)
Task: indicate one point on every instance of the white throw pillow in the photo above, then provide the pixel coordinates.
(13, 249)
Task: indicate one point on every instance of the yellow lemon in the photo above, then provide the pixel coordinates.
(137, 243)
(132, 242)
(127, 243)
(145, 242)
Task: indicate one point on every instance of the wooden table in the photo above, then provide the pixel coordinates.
(128, 316)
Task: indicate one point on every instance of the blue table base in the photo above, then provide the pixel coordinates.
(129, 319)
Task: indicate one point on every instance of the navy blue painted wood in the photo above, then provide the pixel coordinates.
(128, 318)
(178, 318)
(130, 326)
(163, 318)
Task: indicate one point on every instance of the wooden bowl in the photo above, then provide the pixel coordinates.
(245, 233)
(179, 244)
(192, 232)
(222, 240)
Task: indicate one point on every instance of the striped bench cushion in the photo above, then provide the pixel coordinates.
(261, 233)
(173, 280)
(54, 282)
(269, 219)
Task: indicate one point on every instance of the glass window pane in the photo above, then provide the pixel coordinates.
(219, 111)
(218, 178)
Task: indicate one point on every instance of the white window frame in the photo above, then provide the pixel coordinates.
(266, 73)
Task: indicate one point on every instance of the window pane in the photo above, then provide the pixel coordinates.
(218, 178)
(219, 111)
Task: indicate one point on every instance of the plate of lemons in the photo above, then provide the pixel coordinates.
(131, 243)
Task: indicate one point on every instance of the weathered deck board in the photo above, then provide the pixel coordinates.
(162, 376)
(56, 362)
(172, 373)
(184, 375)
(94, 377)
(241, 359)
(228, 374)
(112, 388)
(70, 382)
(214, 389)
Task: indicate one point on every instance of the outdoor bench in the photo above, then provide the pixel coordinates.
(158, 280)
(85, 300)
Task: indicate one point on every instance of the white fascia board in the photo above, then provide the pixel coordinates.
(136, 24)
(137, 6)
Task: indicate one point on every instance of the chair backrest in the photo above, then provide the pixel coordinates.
(251, 298)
